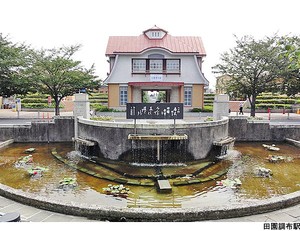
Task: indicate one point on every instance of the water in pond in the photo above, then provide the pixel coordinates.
(241, 163)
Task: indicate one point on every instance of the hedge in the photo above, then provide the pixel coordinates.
(273, 106)
(99, 101)
(35, 100)
(206, 108)
(39, 105)
(276, 101)
(101, 108)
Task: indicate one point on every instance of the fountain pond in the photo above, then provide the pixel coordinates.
(232, 179)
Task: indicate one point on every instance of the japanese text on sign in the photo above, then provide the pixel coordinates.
(154, 111)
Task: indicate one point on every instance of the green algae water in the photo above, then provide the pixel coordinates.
(194, 184)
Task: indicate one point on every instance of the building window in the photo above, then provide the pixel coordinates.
(139, 65)
(187, 96)
(155, 34)
(173, 65)
(123, 96)
(156, 65)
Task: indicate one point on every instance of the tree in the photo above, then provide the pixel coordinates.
(54, 72)
(291, 52)
(253, 66)
(13, 62)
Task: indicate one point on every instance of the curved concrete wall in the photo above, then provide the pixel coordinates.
(61, 129)
(261, 130)
(113, 140)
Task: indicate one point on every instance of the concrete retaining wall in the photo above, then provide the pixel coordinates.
(244, 130)
(113, 137)
(58, 130)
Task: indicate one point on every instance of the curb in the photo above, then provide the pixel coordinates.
(98, 212)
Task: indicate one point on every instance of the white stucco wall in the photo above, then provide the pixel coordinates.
(190, 71)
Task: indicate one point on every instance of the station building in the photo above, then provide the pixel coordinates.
(155, 64)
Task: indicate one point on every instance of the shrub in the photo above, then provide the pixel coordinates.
(35, 100)
(208, 101)
(273, 106)
(101, 108)
(102, 118)
(206, 108)
(95, 101)
(98, 96)
(209, 95)
(276, 101)
(196, 110)
(39, 105)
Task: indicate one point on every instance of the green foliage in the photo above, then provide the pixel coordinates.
(209, 95)
(290, 83)
(273, 106)
(275, 101)
(208, 101)
(39, 105)
(161, 96)
(254, 67)
(34, 100)
(37, 101)
(13, 62)
(145, 97)
(95, 101)
(196, 110)
(101, 108)
(206, 108)
(96, 96)
(102, 118)
(55, 73)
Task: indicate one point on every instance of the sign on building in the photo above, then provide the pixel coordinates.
(156, 77)
(154, 111)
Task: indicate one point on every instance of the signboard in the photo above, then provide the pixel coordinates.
(156, 77)
(154, 111)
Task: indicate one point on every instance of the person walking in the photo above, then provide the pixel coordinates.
(241, 109)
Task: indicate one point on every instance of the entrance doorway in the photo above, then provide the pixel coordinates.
(155, 96)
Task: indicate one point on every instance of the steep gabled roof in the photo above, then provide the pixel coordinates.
(138, 44)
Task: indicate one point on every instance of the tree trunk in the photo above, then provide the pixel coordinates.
(57, 113)
(253, 103)
(252, 113)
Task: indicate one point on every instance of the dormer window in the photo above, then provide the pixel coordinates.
(155, 33)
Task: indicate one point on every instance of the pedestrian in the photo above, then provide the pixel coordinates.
(241, 109)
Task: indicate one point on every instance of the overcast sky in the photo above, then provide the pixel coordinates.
(54, 23)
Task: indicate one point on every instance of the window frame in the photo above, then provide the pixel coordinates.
(138, 70)
(188, 95)
(149, 69)
(123, 95)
